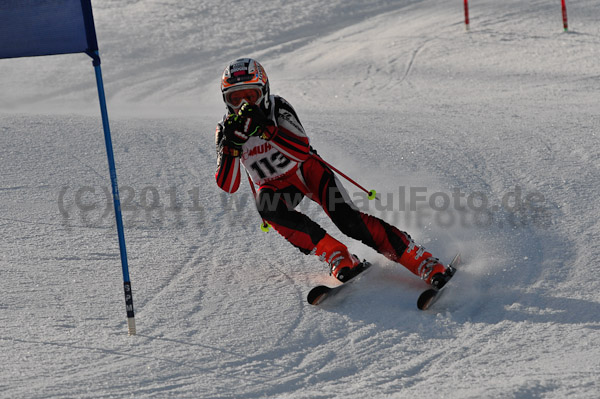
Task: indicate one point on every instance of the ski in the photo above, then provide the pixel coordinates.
(321, 292)
(431, 295)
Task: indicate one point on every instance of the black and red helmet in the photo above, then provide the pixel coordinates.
(245, 80)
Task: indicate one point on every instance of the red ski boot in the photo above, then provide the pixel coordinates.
(423, 264)
(343, 265)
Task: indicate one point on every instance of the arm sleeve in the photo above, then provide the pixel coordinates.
(228, 165)
(288, 135)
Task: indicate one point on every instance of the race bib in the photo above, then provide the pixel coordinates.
(263, 161)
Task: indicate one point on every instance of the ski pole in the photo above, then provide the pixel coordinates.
(265, 225)
(372, 194)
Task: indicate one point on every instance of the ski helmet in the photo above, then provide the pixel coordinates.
(245, 80)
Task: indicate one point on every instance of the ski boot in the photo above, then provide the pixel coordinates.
(342, 264)
(423, 264)
(345, 273)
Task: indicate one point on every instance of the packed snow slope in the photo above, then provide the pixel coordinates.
(484, 142)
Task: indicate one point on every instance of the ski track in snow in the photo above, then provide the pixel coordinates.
(395, 94)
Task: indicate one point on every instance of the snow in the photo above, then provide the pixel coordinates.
(440, 121)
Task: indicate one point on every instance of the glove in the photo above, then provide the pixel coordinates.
(233, 136)
(255, 122)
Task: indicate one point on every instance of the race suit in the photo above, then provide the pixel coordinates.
(286, 169)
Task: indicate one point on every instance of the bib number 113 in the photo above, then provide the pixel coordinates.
(266, 167)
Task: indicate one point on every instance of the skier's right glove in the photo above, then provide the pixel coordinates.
(233, 136)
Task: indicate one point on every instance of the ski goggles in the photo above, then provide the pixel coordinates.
(251, 95)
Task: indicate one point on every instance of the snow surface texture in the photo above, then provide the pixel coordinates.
(494, 132)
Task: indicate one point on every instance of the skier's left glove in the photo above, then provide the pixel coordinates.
(255, 122)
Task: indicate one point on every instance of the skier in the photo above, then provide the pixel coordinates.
(262, 132)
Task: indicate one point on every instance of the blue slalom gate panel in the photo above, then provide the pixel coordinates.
(45, 27)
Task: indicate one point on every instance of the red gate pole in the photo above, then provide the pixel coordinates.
(467, 14)
(564, 15)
